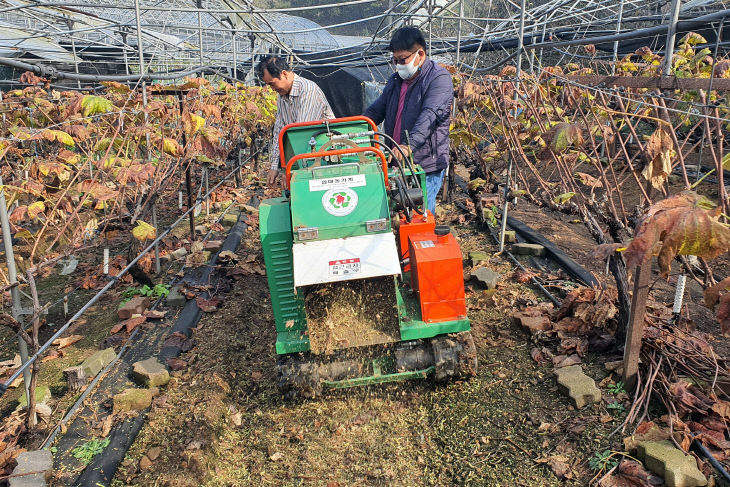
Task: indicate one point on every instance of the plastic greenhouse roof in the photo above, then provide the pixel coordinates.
(167, 34)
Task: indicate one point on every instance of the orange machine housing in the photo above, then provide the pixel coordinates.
(437, 276)
(418, 224)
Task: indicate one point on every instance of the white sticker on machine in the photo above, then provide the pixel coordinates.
(424, 244)
(339, 202)
(352, 181)
(345, 267)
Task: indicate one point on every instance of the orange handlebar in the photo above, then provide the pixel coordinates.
(338, 152)
(356, 118)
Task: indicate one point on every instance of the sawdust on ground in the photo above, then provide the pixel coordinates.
(353, 313)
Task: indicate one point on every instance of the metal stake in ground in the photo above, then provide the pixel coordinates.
(157, 246)
(14, 291)
(504, 207)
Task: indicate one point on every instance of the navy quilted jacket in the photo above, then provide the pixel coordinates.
(426, 114)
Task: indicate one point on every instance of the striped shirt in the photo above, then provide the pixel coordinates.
(304, 103)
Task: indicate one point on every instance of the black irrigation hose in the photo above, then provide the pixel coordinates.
(53, 73)
(4, 386)
(571, 266)
(49, 441)
(102, 468)
(191, 313)
(712, 459)
(537, 283)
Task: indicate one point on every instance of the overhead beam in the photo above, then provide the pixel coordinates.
(656, 82)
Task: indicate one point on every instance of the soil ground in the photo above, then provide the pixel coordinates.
(223, 422)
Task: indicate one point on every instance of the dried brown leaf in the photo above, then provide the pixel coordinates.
(628, 474)
(684, 226)
(659, 152)
(65, 342)
(208, 305)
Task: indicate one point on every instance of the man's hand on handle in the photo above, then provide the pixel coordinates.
(399, 155)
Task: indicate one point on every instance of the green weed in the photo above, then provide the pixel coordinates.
(601, 461)
(90, 449)
(617, 388)
(160, 290)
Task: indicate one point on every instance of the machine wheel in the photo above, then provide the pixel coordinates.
(455, 356)
(298, 378)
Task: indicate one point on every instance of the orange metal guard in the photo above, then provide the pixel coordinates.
(356, 118)
(338, 152)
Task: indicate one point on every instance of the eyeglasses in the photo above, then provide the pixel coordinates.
(404, 60)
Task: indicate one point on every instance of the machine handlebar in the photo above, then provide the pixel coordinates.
(326, 123)
(338, 152)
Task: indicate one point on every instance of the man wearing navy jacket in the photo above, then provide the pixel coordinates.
(417, 98)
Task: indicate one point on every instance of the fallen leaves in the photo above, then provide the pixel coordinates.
(176, 363)
(712, 296)
(628, 474)
(559, 466)
(130, 324)
(208, 305)
(227, 256)
(586, 308)
(722, 408)
(67, 341)
(689, 397)
(144, 231)
(179, 340)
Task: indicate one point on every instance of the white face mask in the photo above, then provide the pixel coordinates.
(406, 71)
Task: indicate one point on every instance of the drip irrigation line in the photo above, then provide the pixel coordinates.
(89, 388)
(537, 283)
(705, 452)
(682, 25)
(113, 281)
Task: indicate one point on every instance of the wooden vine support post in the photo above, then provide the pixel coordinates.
(635, 332)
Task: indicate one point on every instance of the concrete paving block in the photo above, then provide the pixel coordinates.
(478, 257)
(578, 386)
(487, 277)
(132, 400)
(179, 253)
(678, 469)
(175, 298)
(39, 462)
(229, 219)
(150, 373)
(42, 395)
(528, 249)
(98, 361)
(510, 236)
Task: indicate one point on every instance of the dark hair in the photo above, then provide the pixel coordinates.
(406, 38)
(273, 64)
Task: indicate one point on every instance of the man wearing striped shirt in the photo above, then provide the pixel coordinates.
(300, 100)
